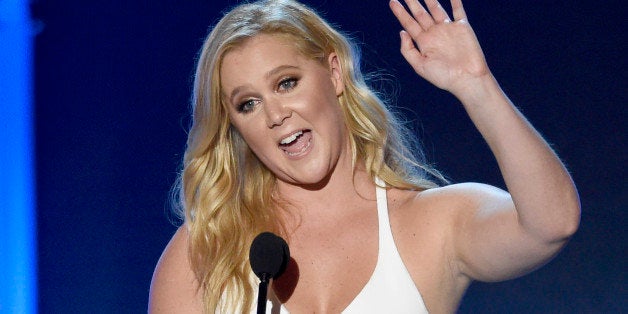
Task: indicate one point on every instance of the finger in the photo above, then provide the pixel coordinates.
(410, 52)
(420, 14)
(438, 12)
(407, 21)
(458, 10)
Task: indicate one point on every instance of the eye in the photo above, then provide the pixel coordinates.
(247, 105)
(287, 84)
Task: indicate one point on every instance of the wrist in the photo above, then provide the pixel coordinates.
(478, 90)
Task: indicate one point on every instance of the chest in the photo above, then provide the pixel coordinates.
(331, 263)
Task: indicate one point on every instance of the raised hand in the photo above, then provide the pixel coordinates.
(442, 51)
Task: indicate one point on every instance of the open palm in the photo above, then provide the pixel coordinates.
(442, 51)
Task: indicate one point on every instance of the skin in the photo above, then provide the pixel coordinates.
(272, 92)
(447, 236)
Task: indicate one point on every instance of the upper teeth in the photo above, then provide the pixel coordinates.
(291, 138)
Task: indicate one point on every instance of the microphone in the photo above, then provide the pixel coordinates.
(269, 256)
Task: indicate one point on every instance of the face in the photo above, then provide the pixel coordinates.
(286, 107)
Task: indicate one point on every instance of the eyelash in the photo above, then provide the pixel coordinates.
(291, 80)
(247, 105)
(284, 85)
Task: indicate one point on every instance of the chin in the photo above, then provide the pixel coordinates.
(313, 180)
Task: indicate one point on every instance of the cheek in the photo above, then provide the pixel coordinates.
(252, 135)
(322, 101)
(327, 108)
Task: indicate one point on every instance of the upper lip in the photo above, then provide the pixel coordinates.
(283, 138)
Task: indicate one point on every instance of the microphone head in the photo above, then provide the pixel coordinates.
(269, 255)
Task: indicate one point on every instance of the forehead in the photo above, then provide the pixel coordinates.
(258, 55)
(262, 41)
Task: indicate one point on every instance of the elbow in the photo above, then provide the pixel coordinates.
(557, 225)
(567, 230)
(568, 210)
(567, 223)
(572, 211)
(563, 212)
(572, 225)
(573, 214)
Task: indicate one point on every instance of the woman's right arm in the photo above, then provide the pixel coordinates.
(174, 288)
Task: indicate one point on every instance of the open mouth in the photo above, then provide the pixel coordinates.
(296, 143)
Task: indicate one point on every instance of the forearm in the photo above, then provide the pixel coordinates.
(544, 195)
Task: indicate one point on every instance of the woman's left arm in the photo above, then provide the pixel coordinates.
(505, 234)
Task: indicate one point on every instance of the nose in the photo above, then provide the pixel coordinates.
(276, 113)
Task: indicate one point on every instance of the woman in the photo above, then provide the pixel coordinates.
(288, 138)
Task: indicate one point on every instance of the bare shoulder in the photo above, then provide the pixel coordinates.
(174, 288)
(451, 200)
(464, 192)
(455, 205)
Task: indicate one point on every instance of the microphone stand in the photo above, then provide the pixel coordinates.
(263, 293)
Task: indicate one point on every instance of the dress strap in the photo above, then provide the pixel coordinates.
(385, 232)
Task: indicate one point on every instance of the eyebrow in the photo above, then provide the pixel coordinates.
(266, 76)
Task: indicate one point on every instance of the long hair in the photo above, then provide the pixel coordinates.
(226, 192)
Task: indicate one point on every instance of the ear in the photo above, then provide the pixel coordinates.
(336, 73)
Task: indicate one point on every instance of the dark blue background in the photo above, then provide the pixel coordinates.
(112, 88)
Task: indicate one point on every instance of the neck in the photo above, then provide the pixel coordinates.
(332, 195)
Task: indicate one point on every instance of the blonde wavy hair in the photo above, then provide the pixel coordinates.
(226, 192)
